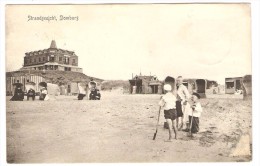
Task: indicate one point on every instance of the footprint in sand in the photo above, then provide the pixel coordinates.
(213, 128)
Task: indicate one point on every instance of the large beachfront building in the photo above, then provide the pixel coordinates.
(52, 58)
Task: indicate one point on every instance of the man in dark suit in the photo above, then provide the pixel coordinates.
(31, 93)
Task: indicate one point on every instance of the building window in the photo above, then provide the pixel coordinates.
(52, 58)
(66, 60)
(30, 60)
(43, 58)
(73, 60)
(34, 60)
(60, 58)
(39, 59)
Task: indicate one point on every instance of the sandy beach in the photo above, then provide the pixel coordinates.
(120, 128)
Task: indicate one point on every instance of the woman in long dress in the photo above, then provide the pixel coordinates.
(18, 94)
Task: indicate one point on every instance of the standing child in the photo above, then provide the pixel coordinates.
(195, 113)
(168, 102)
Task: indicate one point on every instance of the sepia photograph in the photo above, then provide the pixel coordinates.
(128, 83)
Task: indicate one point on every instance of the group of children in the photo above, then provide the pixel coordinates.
(181, 110)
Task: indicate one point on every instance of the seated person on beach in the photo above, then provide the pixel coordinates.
(94, 94)
(82, 92)
(81, 96)
(168, 102)
(44, 94)
(18, 94)
(31, 93)
(195, 113)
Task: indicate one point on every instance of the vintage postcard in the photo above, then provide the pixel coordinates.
(128, 83)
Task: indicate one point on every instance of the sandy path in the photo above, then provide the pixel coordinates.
(119, 128)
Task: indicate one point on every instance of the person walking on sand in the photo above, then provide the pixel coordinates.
(168, 102)
(195, 113)
(181, 103)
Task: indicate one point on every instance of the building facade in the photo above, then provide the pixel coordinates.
(52, 58)
(145, 85)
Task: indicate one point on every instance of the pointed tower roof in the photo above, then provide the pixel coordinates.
(53, 44)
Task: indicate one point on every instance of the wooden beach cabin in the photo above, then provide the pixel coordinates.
(232, 84)
(196, 85)
(145, 85)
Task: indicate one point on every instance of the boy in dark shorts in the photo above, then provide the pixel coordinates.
(168, 102)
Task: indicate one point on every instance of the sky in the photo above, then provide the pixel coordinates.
(211, 41)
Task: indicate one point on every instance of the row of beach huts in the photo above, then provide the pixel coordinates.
(59, 82)
(66, 83)
(151, 85)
